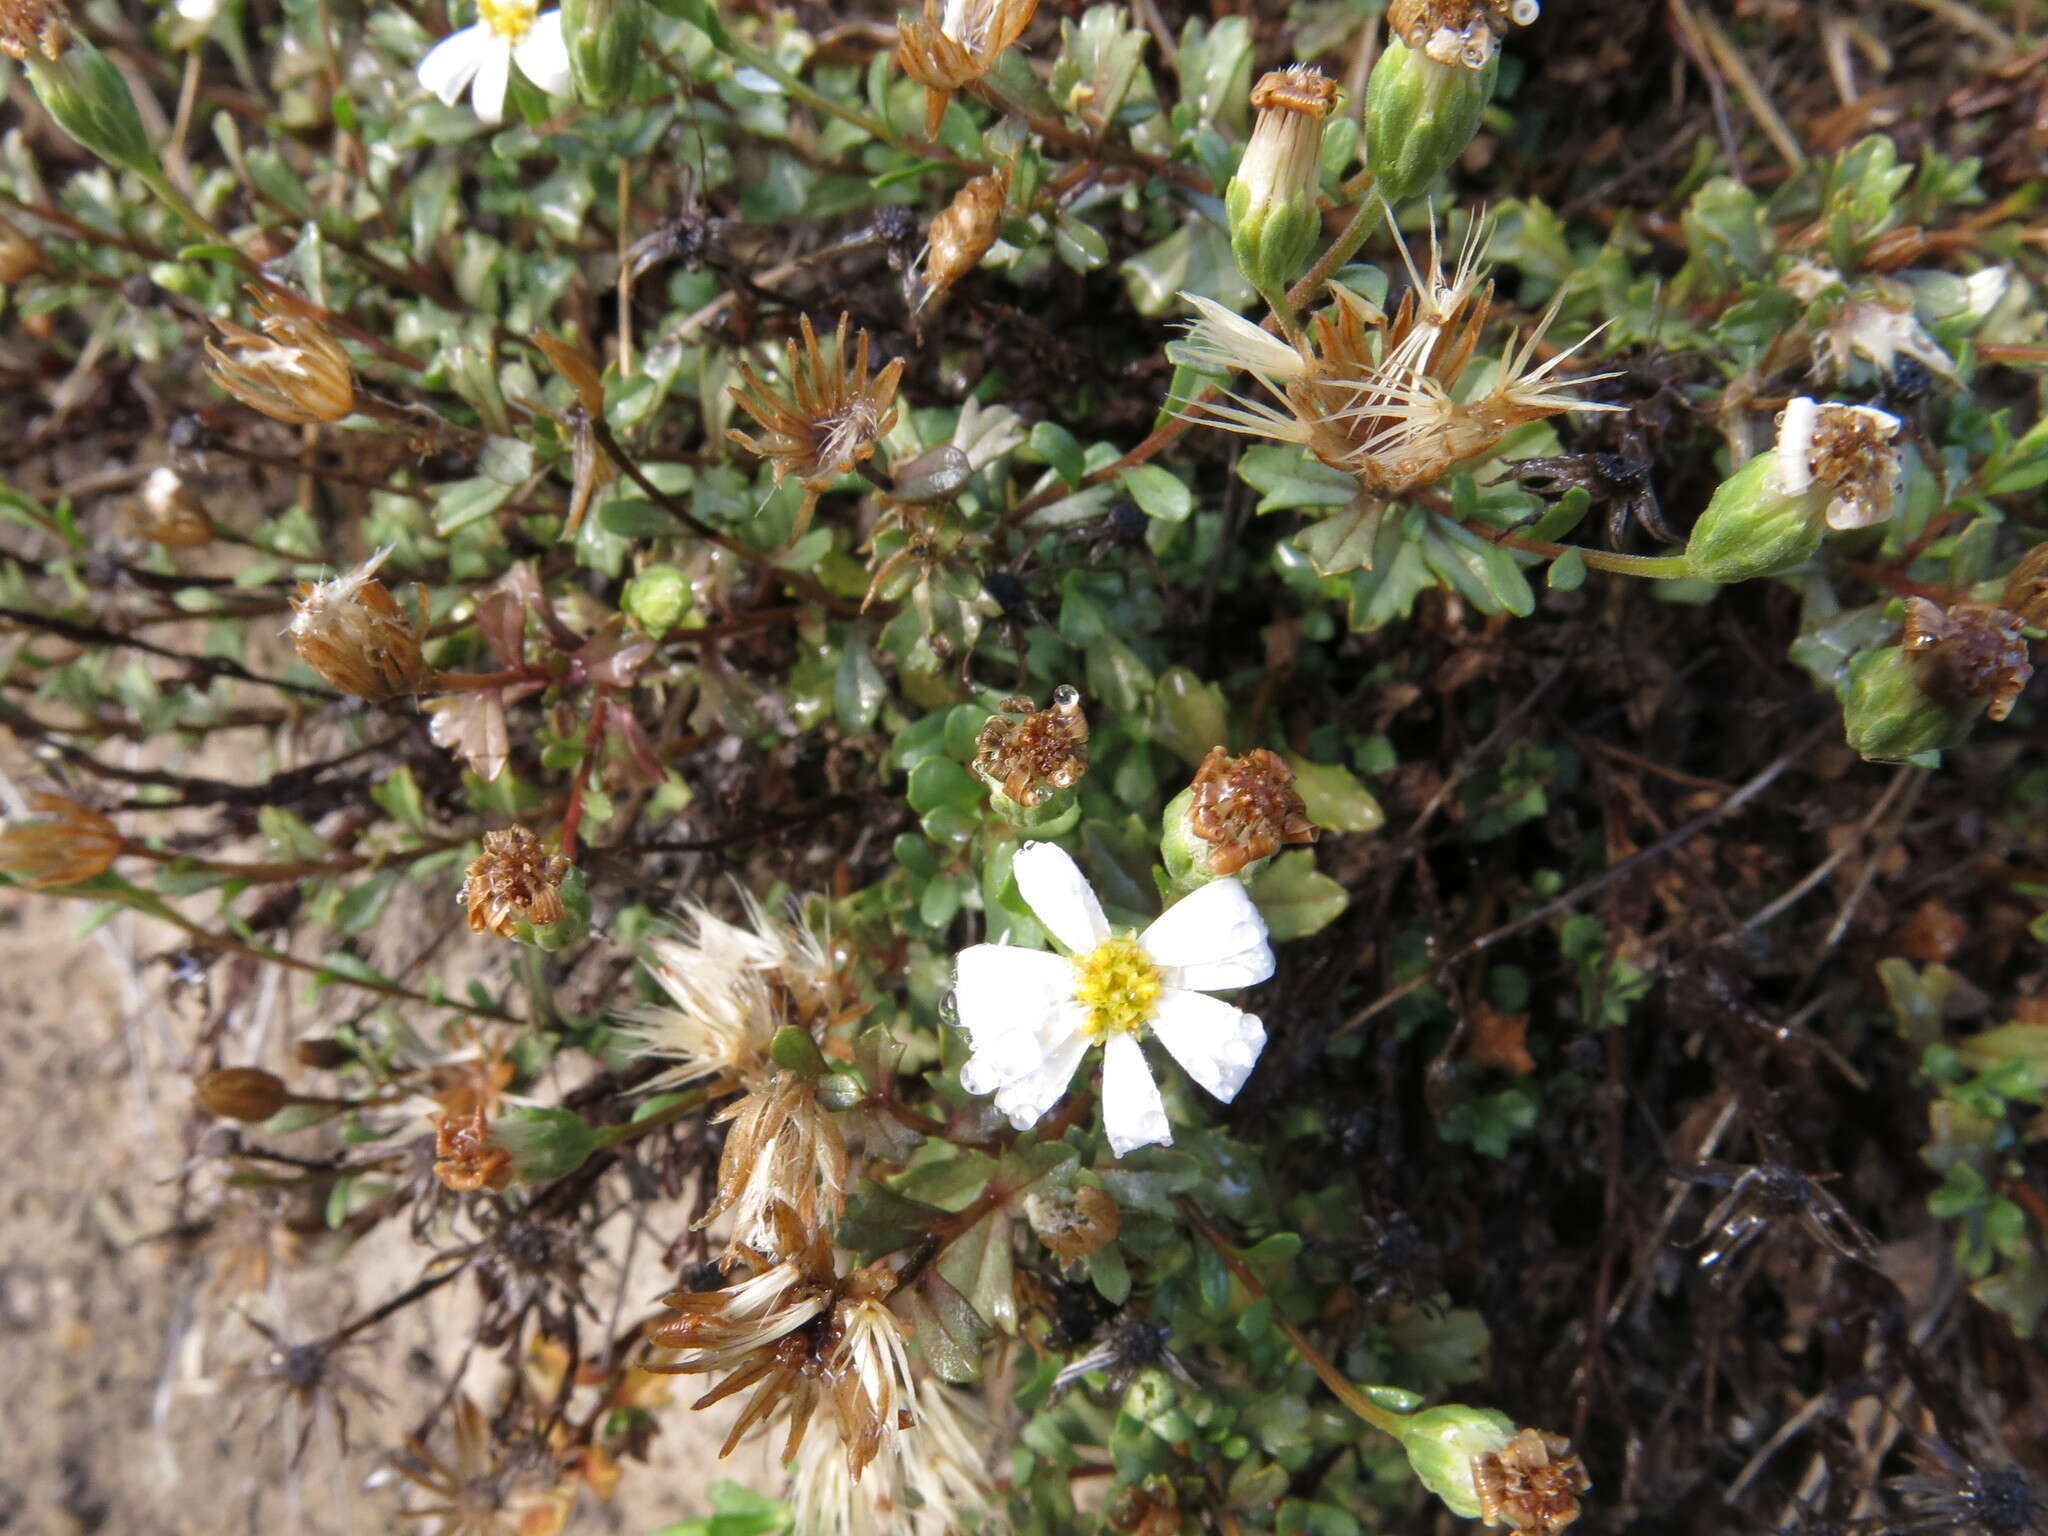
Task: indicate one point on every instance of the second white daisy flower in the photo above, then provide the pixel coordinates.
(506, 32)
(1030, 1016)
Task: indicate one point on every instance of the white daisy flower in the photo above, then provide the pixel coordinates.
(506, 32)
(1031, 1016)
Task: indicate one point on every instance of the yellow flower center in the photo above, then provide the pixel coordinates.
(1117, 987)
(509, 19)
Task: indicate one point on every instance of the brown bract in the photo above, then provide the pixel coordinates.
(294, 372)
(466, 1159)
(783, 1153)
(33, 26)
(1532, 1483)
(353, 633)
(73, 843)
(1246, 808)
(956, 44)
(513, 879)
(962, 234)
(1973, 651)
(829, 421)
(1029, 753)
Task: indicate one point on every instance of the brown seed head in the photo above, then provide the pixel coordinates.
(962, 235)
(466, 1159)
(1076, 1222)
(2026, 589)
(1531, 1484)
(1851, 453)
(513, 878)
(74, 843)
(956, 43)
(783, 1153)
(1029, 753)
(166, 513)
(1463, 34)
(353, 633)
(248, 1094)
(294, 372)
(1245, 808)
(1973, 651)
(34, 26)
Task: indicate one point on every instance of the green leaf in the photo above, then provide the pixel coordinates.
(1334, 798)
(1158, 493)
(939, 783)
(1295, 897)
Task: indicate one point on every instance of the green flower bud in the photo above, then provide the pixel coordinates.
(604, 47)
(1754, 526)
(659, 598)
(1271, 200)
(1442, 1443)
(1419, 116)
(90, 100)
(545, 1143)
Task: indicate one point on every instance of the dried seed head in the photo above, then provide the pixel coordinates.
(2026, 588)
(513, 879)
(1973, 652)
(466, 1159)
(1531, 1484)
(34, 27)
(168, 515)
(1246, 808)
(1030, 754)
(294, 372)
(353, 633)
(1845, 450)
(73, 843)
(956, 43)
(248, 1094)
(783, 1153)
(961, 235)
(1464, 34)
(1074, 1223)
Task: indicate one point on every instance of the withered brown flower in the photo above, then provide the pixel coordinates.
(2026, 588)
(34, 26)
(466, 1159)
(783, 1153)
(1531, 1484)
(1461, 33)
(1076, 1222)
(956, 43)
(829, 421)
(490, 1487)
(167, 514)
(353, 633)
(1972, 651)
(72, 843)
(961, 235)
(514, 878)
(1246, 808)
(294, 372)
(1029, 753)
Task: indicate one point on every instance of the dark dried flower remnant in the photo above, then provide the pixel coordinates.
(1531, 1484)
(1246, 808)
(1029, 753)
(466, 1159)
(956, 43)
(72, 843)
(1973, 651)
(830, 420)
(513, 879)
(353, 633)
(294, 372)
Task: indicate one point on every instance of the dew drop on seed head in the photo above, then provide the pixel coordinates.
(1066, 696)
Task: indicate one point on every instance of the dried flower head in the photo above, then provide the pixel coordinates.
(783, 1153)
(1531, 1484)
(1075, 1222)
(491, 1487)
(167, 513)
(34, 26)
(732, 987)
(961, 235)
(829, 421)
(1246, 807)
(1971, 652)
(2026, 588)
(513, 879)
(72, 843)
(294, 372)
(930, 1476)
(1372, 396)
(307, 1383)
(353, 633)
(1847, 451)
(1465, 34)
(248, 1094)
(954, 44)
(466, 1159)
(1029, 753)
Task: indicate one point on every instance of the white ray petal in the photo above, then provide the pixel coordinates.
(1059, 896)
(1132, 1112)
(1217, 1045)
(1211, 940)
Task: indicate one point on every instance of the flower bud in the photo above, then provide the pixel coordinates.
(658, 598)
(1271, 200)
(1031, 759)
(72, 845)
(353, 633)
(1925, 693)
(544, 1143)
(77, 84)
(1442, 1445)
(1419, 116)
(248, 1094)
(168, 515)
(294, 372)
(961, 235)
(1237, 813)
(604, 47)
(1754, 525)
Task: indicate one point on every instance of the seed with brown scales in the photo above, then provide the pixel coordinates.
(1246, 808)
(514, 878)
(1531, 1484)
(1029, 753)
